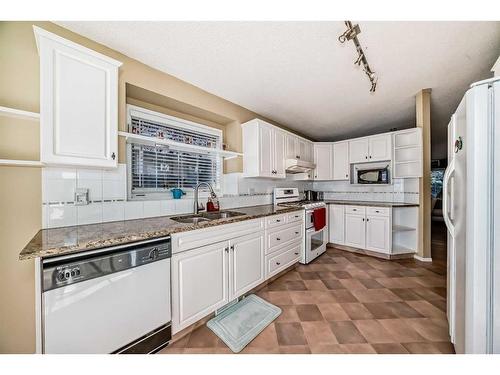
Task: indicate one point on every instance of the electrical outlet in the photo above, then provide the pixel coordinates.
(81, 197)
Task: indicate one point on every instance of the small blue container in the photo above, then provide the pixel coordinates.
(177, 193)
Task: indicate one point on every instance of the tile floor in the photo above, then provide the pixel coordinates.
(348, 303)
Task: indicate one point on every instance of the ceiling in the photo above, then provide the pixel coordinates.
(298, 74)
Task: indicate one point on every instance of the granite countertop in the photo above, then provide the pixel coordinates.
(370, 203)
(66, 240)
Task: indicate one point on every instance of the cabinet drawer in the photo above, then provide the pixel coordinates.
(355, 210)
(293, 217)
(282, 236)
(378, 211)
(407, 138)
(278, 262)
(275, 220)
(201, 237)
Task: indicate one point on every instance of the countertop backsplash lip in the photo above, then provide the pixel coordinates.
(74, 239)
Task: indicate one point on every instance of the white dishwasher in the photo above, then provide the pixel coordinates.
(112, 300)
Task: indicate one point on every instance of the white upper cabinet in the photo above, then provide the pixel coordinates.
(323, 161)
(265, 148)
(78, 103)
(358, 150)
(374, 148)
(341, 161)
(298, 148)
(380, 147)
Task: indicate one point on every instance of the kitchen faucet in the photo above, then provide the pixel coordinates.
(198, 207)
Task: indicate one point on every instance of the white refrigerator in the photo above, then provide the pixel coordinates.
(471, 209)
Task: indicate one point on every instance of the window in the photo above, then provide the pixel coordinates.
(154, 169)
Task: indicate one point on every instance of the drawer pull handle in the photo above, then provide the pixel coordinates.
(354, 209)
(278, 239)
(377, 211)
(278, 220)
(278, 263)
(296, 253)
(296, 232)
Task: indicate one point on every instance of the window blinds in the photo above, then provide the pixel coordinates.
(158, 168)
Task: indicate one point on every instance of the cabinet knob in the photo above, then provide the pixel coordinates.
(367, 219)
(377, 211)
(278, 220)
(226, 249)
(113, 156)
(232, 247)
(363, 219)
(296, 232)
(278, 239)
(370, 156)
(296, 253)
(278, 263)
(347, 175)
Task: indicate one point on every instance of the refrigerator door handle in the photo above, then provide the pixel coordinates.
(446, 201)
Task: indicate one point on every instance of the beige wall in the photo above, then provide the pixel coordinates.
(20, 188)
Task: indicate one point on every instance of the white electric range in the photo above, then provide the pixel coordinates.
(315, 239)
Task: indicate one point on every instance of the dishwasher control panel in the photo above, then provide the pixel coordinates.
(62, 271)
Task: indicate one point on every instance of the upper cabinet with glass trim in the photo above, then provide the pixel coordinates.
(78, 103)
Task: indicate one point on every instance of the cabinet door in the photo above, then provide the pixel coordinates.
(323, 161)
(355, 231)
(266, 151)
(378, 233)
(199, 283)
(246, 259)
(336, 224)
(279, 154)
(78, 104)
(302, 150)
(341, 161)
(380, 147)
(291, 152)
(358, 150)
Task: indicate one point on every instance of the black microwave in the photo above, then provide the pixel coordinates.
(373, 176)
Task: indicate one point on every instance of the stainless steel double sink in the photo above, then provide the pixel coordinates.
(206, 216)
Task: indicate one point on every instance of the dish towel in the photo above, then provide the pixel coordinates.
(319, 218)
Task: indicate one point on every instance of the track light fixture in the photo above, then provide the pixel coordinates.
(352, 34)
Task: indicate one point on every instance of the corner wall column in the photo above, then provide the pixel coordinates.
(423, 120)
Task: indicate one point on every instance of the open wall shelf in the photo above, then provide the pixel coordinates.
(12, 112)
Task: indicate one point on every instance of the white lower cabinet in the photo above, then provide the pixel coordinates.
(246, 264)
(199, 283)
(336, 224)
(355, 230)
(378, 233)
(206, 276)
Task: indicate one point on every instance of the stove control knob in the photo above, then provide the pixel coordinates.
(60, 276)
(77, 271)
(67, 274)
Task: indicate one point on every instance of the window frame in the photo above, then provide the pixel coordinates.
(172, 121)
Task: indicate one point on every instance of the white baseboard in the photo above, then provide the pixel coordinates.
(422, 259)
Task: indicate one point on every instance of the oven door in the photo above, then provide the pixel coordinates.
(315, 243)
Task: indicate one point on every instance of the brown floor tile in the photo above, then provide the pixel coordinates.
(266, 339)
(277, 285)
(373, 331)
(390, 348)
(315, 285)
(333, 312)
(327, 349)
(358, 348)
(324, 297)
(356, 311)
(253, 350)
(318, 333)
(398, 282)
(295, 349)
(352, 284)
(445, 347)
(309, 313)
(279, 298)
(342, 274)
(288, 314)
(427, 293)
(301, 297)
(333, 284)
(200, 351)
(202, 337)
(439, 303)
(374, 273)
(291, 276)
(421, 348)
(403, 310)
(375, 295)
(426, 309)
(371, 283)
(380, 310)
(430, 329)
(296, 285)
(346, 332)
(326, 275)
(290, 334)
(309, 275)
(343, 296)
(406, 294)
(401, 330)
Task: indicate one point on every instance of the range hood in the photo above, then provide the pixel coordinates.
(298, 166)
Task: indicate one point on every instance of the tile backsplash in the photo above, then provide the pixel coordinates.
(108, 195)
